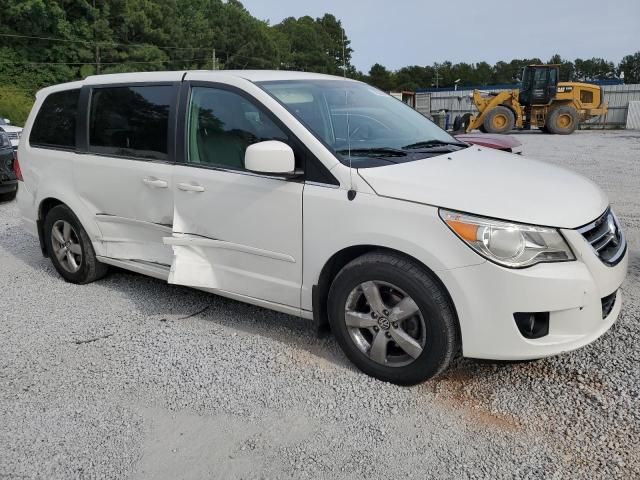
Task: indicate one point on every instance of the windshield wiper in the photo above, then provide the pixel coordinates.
(374, 152)
(433, 144)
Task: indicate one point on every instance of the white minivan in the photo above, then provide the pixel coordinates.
(326, 199)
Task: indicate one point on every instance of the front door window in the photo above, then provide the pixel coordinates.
(222, 124)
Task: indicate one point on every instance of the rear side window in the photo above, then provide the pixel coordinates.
(55, 124)
(131, 121)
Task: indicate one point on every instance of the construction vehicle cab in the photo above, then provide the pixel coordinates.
(539, 84)
(542, 102)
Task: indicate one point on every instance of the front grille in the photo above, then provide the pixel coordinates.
(607, 304)
(606, 238)
(13, 135)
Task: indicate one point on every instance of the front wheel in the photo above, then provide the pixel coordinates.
(499, 120)
(392, 319)
(562, 120)
(70, 248)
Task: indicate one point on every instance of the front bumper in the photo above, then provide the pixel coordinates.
(487, 295)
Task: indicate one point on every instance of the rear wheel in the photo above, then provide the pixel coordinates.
(392, 320)
(70, 248)
(562, 120)
(499, 120)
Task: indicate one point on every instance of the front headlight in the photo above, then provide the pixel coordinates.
(510, 244)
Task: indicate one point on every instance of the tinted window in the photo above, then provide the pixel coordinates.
(222, 124)
(55, 124)
(131, 121)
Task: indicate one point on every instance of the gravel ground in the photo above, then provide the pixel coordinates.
(132, 378)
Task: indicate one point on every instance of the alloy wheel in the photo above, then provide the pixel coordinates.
(385, 323)
(66, 246)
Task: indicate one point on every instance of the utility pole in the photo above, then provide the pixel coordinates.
(214, 65)
(437, 77)
(95, 40)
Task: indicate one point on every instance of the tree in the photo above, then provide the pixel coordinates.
(594, 69)
(318, 45)
(483, 73)
(380, 77)
(337, 43)
(512, 72)
(54, 41)
(306, 45)
(630, 65)
(566, 68)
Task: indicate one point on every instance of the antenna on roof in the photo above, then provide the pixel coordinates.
(351, 193)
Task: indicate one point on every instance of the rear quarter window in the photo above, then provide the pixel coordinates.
(55, 123)
(131, 121)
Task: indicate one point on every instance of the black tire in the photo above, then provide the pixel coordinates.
(441, 339)
(457, 124)
(8, 197)
(562, 120)
(466, 119)
(499, 120)
(482, 129)
(89, 269)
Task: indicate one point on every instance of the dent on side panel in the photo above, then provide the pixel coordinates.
(128, 239)
(191, 267)
(214, 264)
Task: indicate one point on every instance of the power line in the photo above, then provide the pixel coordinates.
(103, 63)
(91, 42)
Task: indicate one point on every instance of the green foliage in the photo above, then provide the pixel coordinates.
(630, 65)
(84, 37)
(56, 41)
(380, 77)
(594, 69)
(314, 45)
(14, 104)
(567, 68)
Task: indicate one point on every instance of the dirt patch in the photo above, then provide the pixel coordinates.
(464, 390)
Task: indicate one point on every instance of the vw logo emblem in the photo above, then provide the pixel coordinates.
(384, 323)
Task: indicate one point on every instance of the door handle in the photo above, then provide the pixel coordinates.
(189, 187)
(155, 182)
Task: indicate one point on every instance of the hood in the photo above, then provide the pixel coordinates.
(494, 184)
(10, 128)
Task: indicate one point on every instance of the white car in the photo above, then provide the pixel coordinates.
(326, 199)
(14, 133)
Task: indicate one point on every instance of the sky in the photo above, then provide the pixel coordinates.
(397, 33)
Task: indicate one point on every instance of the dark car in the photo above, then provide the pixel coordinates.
(505, 143)
(8, 180)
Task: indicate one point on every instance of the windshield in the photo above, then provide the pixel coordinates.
(360, 122)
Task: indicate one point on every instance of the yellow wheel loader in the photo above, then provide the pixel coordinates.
(543, 102)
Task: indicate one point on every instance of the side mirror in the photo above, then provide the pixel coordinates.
(7, 121)
(270, 157)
